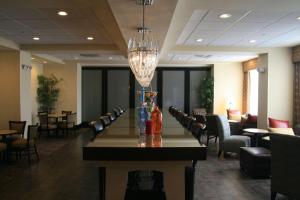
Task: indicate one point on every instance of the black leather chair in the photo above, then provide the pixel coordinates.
(197, 129)
(117, 112)
(211, 128)
(188, 122)
(105, 120)
(97, 127)
(285, 165)
(112, 116)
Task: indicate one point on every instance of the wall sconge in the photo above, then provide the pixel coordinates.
(26, 67)
(261, 69)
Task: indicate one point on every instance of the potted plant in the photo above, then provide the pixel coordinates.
(206, 93)
(47, 92)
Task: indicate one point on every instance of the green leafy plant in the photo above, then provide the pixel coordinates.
(47, 92)
(206, 93)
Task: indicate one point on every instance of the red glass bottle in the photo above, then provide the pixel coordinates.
(156, 118)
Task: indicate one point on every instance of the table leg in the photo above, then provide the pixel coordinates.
(102, 179)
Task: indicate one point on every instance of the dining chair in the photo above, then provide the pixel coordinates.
(197, 130)
(117, 112)
(112, 116)
(65, 112)
(211, 128)
(97, 127)
(19, 126)
(106, 121)
(69, 124)
(45, 125)
(27, 145)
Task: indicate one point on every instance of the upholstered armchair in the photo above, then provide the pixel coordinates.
(285, 165)
(228, 142)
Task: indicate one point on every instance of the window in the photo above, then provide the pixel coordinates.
(253, 92)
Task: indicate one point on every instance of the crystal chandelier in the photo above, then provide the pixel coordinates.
(143, 56)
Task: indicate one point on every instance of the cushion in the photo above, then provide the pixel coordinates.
(286, 131)
(276, 123)
(232, 112)
(251, 118)
(235, 117)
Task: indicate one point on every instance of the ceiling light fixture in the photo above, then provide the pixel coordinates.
(90, 38)
(143, 56)
(62, 13)
(225, 15)
(252, 41)
(199, 40)
(45, 62)
(36, 38)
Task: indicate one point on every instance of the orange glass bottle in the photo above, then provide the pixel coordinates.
(156, 118)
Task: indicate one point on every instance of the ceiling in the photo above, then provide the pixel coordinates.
(176, 24)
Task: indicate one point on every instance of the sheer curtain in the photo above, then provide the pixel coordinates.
(253, 92)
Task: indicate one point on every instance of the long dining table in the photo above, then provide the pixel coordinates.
(121, 149)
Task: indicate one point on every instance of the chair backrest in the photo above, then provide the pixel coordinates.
(189, 122)
(197, 129)
(32, 132)
(211, 125)
(43, 117)
(199, 111)
(200, 118)
(105, 120)
(285, 165)
(97, 126)
(18, 125)
(223, 128)
(121, 110)
(117, 112)
(72, 118)
(66, 112)
(112, 116)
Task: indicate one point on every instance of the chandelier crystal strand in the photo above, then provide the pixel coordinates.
(143, 57)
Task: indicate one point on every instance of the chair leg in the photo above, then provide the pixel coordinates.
(273, 195)
(207, 140)
(28, 155)
(220, 153)
(36, 152)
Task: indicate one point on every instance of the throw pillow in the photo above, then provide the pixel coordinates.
(235, 117)
(251, 119)
(233, 112)
(276, 123)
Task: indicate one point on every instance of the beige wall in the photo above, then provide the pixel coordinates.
(68, 86)
(9, 87)
(280, 88)
(228, 86)
(37, 69)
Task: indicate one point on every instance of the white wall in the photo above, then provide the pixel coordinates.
(25, 88)
(228, 86)
(37, 69)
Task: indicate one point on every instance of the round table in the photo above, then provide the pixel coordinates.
(4, 133)
(256, 132)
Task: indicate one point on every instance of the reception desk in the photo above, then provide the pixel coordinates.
(120, 149)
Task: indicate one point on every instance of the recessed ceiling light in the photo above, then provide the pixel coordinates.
(110, 58)
(89, 38)
(199, 40)
(225, 15)
(62, 13)
(45, 62)
(36, 38)
(32, 58)
(252, 41)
